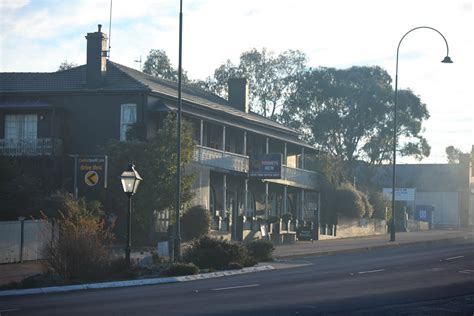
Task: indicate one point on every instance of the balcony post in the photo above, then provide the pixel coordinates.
(267, 149)
(285, 197)
(244, 151)
(224, 196)
(319, 207)
(223, 138)
(201, 133)
(266, 200)
(303, 211)
(285, 154)
(302, 158)
(246, 194)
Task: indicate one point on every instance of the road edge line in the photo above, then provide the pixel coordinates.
(129, 283)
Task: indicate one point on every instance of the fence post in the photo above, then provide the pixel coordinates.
(22, 236)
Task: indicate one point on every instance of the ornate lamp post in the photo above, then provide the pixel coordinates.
(130, 180)
(447, 60)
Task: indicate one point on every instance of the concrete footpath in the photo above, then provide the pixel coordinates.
(18, 271)
(332, 246)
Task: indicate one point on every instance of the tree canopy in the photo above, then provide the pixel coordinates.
(349, 114)
(272, 78)
(155, 160)
(65, 65)
(453, 154)
(158, 64)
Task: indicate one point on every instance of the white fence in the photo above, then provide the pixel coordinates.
(19, 243)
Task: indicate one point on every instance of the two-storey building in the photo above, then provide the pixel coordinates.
(48, 116)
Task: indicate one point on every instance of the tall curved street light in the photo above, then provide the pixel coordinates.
(446, 60)
(177, 239)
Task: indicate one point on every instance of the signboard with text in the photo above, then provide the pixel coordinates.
(401, 194)
(91, 172)
(305, 233)
(265, 166)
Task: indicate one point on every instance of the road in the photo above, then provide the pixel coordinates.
(411, 279)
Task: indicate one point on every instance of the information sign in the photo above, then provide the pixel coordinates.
(265, 166)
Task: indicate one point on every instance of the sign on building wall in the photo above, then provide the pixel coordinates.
(266, 166)
(401, 194)
(90, 173)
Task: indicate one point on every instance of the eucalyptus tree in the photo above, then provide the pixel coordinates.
(348, 113)
(272, 78)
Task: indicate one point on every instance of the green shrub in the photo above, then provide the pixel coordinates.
(379, 204)
(21, 193)
(177, 269)
(156, 258)
(217, 254)
(195, 223)
(260, 250)
(37, 280)
(349, 202)
(273, 219)
(234, 266)
(369, 209)
(81, 249)
(286, 217)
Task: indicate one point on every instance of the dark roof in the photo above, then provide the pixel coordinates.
(70, 80)
(228, 120)
(122, 78)
(197, 96)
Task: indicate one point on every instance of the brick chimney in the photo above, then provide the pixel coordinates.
(239, 93)
(96, 67)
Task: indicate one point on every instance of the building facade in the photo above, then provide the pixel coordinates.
(46, 117)
(448, 188)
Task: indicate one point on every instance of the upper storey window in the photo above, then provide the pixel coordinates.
(21, 126)
(128, 117)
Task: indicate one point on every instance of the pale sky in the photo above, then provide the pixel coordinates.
(37, 35)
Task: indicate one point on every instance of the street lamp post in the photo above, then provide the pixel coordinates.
(130, 180)
(177, 245)
(447, 60)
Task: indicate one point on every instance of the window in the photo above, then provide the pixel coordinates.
(212, 201)
(128, 117)
(21, 126)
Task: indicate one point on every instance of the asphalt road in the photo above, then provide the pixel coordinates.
(409, 280)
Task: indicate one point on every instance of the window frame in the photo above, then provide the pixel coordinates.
(19, 126)
(124, 126)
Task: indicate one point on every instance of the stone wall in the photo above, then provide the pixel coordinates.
(353, 227)
(415, 226)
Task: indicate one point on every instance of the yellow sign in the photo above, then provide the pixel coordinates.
(91, 178)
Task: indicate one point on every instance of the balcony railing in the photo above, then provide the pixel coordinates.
(30, 147)
(221, 159)
(239, 163)
(302, 177)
